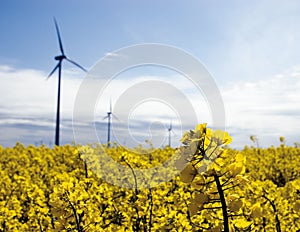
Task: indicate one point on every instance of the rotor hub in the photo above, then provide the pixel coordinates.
(60, 57)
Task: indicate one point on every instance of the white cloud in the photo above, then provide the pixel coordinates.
(28, 93)
(267, 108)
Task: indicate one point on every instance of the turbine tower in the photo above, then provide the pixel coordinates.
(60, 59)
(170, 130)
(109, 121)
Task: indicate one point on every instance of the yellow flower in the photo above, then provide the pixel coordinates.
(235, 168)
(221, 137)
(188, 173)
(198, 182)
(242, 223)
(297, 206)
(200, 198)
(200, 128)
(235, 205)
(256, 211)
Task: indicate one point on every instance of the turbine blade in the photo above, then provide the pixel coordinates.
(56, 67)
(79, 66)
(115, 117)
(110, 106)
(59, 38)
(105, 117)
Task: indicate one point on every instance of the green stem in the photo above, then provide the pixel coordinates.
(278, 228)
(223, 203)
(76, 216)
(151, 210)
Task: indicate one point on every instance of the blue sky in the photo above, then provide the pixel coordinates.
(250, 47)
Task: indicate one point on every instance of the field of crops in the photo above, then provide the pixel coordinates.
(218, 189)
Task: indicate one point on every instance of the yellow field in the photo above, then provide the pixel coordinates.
(219, 189)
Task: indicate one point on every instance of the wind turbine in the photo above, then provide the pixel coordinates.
(109, 121)
(170, 130)
(60, 58)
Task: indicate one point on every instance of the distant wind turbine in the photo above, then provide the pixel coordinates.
(109, 121)
(170, 130)
(60, 58)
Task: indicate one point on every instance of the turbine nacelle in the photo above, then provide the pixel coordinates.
(60, 57)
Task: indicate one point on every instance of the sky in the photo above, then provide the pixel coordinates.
(250, 48)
